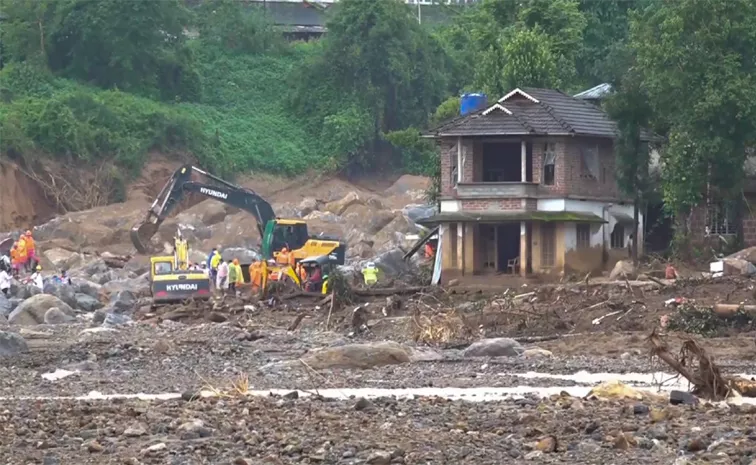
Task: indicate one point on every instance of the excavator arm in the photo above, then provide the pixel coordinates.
(181, 183)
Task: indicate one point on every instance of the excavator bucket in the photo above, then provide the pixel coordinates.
(141, 234)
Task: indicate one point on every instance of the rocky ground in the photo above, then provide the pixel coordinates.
(214, 364)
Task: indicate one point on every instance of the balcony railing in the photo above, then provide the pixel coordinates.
(473, 190)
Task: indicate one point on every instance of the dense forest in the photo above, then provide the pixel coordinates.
(87, 80)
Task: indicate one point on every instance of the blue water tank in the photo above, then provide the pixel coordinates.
(470, 103)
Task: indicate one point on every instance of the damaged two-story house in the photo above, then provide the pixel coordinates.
(528, 187)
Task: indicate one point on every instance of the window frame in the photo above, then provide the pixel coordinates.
(584, 230)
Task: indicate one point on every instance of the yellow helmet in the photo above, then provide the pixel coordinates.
(39, 268)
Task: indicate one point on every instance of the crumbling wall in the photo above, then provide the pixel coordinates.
(22, 201)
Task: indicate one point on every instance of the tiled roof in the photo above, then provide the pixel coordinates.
(536, 112)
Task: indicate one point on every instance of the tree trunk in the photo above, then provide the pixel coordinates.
(636, 208)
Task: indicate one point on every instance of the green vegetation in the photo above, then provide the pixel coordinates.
(92, 80)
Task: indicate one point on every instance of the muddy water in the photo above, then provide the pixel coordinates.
(648, 382)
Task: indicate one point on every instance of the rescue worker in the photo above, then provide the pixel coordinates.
(370, 274)
(283, 256)
(239, 281)
(5, 282)
(315, 280)
(255, 274)
(301, 272)
(15, 261)
(31, 250)
(222, 271)
(233, 275)
(215, 262)
(36, 278)
(5, 263)
(429, 251)
(23, 257)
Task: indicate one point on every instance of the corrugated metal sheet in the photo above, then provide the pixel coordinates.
(595, 93)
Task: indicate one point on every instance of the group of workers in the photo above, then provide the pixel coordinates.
(23, 255)
(225, 275)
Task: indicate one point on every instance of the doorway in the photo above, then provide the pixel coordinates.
(507, 245)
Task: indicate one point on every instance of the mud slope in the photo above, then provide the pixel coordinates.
(22, 202)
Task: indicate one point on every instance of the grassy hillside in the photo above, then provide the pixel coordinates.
(241, 122)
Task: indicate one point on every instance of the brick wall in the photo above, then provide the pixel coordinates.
(447, 150)
(492, 204)
(578, 182)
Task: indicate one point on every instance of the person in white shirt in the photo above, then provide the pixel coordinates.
(36, 278)
(5, 282)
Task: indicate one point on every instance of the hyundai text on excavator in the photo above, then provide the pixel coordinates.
(276, 233)
(171, 280)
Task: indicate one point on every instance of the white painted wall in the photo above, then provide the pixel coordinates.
(449, 206)
(597, 208)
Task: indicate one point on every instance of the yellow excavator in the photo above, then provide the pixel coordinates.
(276, 233)
(171, 280)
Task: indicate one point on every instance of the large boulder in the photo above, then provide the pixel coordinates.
(55, 316)
(87, 303)
(325, 217)
(12, 344)
(89, 288)
(497, 347)
(417, 212)
(623, 269)
(22, 291)
(361, 356)
(95, 267)
(137, 286)
(123, 301)
(244, 255)
(64, 292)
(214, 213)
(308, 205)
(5, 305)
(748, 254)
(62, 259)
(367, 219)
(738, 267)
(338, 207)
(32, 310)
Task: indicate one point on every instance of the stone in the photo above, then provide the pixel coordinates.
(369, 220)
(50, 460)
(214, 213)
(307, 206)
(338, 207)
(154, 448)
(32, 310)
(547, 444)
(12, 344)
(245, 256)
(738, 267)
(89, 288)
(496, 347)
(5, 306)
(417, 212)
(537, 352)
(656, 415)
(379, 458)
(640, 409)
(3, 320)
(116, 319)
(533, 455)
(64, 292)
(697, 444)
(55, 316)
(360, 356)
(363, 405)
(624, 441)
(87, 303)
(62, 259)
(291, 395)
(123, 301)
(623, 269)
(658, 432)
(682, 397)
(93, 446)
(135, 430)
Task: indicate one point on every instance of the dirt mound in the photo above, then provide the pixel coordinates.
(23, 201)
(154, 175)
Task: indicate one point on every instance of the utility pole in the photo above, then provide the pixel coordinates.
(419, 13)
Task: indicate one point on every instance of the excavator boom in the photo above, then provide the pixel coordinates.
(181, 183)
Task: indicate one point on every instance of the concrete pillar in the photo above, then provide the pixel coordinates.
(461, 248)
(523, 161)
(469, 246)
(446, 247)
(460, 160)
(524, 249)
